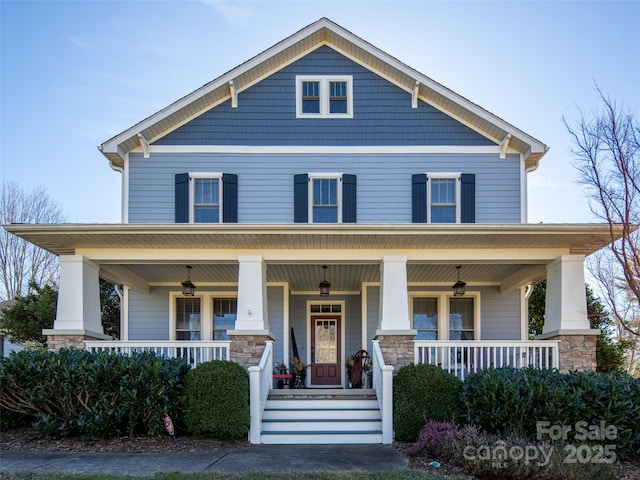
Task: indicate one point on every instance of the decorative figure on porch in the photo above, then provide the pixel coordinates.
(299, 372)
(361, 364)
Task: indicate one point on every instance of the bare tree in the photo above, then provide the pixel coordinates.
(21, 262)
(607, 151)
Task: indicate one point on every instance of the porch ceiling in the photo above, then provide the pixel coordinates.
(305, 278)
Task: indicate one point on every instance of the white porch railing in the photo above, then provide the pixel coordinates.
(193, 352)
(383, 385)
(260, 381)
(464, 357)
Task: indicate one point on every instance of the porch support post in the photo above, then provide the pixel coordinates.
(78, 311)
(249, 338)
(252, 294)
(394, 294)
(394, 329)
(566, 314)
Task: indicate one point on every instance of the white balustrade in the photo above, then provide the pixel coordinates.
(192, 352)
(462, 357)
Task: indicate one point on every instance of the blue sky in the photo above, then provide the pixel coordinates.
(76, 73)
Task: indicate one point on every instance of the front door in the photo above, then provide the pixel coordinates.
(325, 350)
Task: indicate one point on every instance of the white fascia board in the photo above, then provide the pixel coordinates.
(323, 150)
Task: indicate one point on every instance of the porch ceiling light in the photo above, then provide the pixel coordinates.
(458, 287)
(188, 288)
(324, 285)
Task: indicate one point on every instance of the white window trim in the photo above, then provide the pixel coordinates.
(206, 312)
(322, 176)
(324, 93)
(457, 176)
(443, 311)
(192, 193)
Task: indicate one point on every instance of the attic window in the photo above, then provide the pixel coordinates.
(324, 96)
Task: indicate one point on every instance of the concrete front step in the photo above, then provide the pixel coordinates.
(321, 417)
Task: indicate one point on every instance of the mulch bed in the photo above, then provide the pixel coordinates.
(28, 439)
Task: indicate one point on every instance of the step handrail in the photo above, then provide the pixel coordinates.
(383, 385)
(260, 381)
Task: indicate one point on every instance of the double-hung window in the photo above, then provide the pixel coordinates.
(225, 311)
(325, 200)
(425, 318)
(188, 325)
(206, 196)
(444, 200)
(324, 96)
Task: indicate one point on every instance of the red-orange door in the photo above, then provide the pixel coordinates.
(325, 350)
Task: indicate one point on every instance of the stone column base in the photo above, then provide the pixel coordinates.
(577, 349)
(246, 349)
(57, 339)
(397, 347)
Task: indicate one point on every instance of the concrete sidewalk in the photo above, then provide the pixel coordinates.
(262, 458)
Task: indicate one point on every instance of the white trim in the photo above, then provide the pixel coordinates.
(326, 149)
(124, 314)
(415, 95)
(234, 94)
(125, 190)
(324, 95)
(192, 192)
(443, 298)
(144, 144)
(342, 315)
(206, 312)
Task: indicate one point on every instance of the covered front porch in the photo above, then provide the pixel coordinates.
(390, 294)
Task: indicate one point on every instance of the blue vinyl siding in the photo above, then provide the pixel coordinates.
(275, 305)
(373, 314)
(266, 114)
(265, 183)
(500, 314)
(149, 314)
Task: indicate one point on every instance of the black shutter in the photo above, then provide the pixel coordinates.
(419, 198)
(349, 210)
(468, 198)
(229, 198)
(301, 198)
(182, 198)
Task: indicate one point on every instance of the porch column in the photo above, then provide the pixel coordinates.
(78, 312)
(248, 340)
(394, 329)
(566, 314)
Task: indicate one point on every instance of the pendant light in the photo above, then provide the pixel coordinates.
(188, 288)
(324, 285)
(459, 286)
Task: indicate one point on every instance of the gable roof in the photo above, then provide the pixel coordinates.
(322, 32)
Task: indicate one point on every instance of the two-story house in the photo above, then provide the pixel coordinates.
(324, 151)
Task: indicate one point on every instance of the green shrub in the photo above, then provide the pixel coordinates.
(217, 400)
(76, 392)
(515, 400)
(420, 393)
